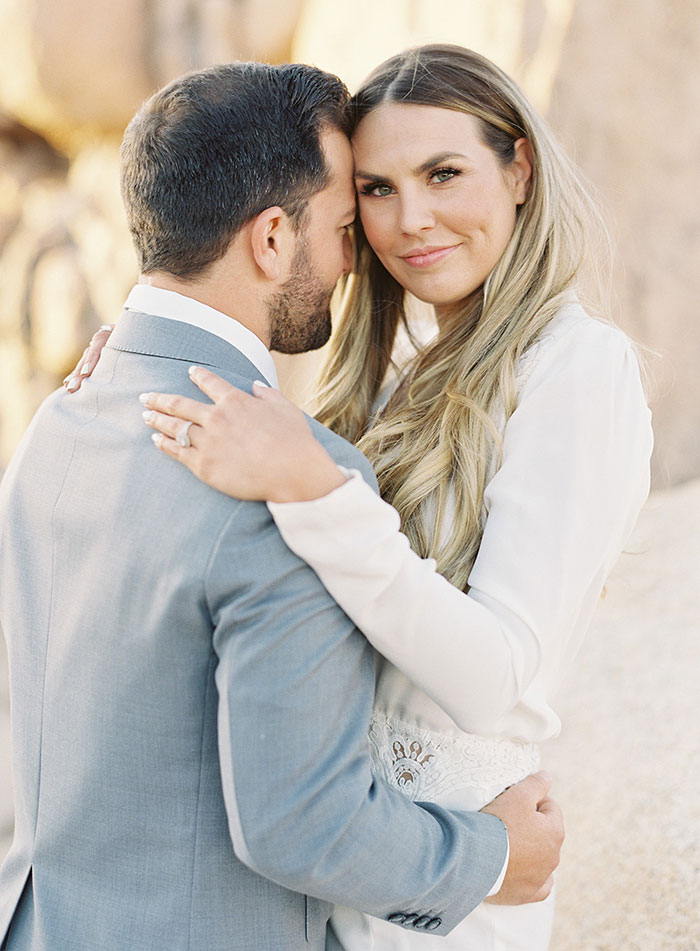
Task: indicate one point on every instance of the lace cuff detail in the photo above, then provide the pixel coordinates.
(425, 765)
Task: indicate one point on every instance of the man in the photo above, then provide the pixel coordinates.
(189, 705)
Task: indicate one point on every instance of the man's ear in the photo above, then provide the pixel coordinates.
(272, 240)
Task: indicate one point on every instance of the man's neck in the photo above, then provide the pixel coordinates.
(215, 293)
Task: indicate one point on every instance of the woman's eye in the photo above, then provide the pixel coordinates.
(376, 190)
(443, 174)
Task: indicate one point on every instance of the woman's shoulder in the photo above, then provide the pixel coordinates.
(573, 326)
(574, 339)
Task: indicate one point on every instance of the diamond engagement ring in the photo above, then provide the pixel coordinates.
(183, 437)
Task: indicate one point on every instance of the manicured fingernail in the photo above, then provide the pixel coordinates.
(145, 398)
(109, 327)
(260, 383)
(194, 371)
(85, 369)
(157, 439)
(72, 384)
(147, 415)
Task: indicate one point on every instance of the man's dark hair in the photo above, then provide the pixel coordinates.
(216, 147)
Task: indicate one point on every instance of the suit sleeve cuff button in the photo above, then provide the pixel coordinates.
(433, 924)
(397, 918)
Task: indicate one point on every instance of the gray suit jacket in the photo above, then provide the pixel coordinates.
(189, 705)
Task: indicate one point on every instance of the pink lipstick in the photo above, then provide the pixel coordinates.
(424, 257)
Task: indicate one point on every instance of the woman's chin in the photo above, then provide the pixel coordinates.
(440, 301)
(439, 290)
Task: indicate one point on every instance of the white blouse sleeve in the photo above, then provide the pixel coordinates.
(574, 474)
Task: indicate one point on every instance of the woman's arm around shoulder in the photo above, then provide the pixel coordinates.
(574, 475)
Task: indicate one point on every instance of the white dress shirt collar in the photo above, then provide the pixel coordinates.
(173, 306)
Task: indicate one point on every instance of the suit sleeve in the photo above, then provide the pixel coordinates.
(296, 682)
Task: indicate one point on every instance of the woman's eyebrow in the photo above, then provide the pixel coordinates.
(437, 159)
(372, 178)
(421, 169)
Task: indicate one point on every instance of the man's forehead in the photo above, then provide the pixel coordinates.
(338, 197)
(337, 151)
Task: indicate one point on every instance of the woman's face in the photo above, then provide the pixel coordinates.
(436, 204)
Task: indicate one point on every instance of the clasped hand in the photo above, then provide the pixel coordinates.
(535, 834)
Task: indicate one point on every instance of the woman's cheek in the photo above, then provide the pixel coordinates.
(377, 229)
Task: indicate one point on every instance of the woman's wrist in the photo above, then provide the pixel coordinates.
(316, 477)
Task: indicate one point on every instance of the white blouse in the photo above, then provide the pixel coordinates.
(559, 509)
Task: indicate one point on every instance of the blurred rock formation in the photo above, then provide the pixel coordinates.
(625, 101)
(76, 68)
(64, 259)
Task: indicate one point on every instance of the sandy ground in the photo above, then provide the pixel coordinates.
(627, 765)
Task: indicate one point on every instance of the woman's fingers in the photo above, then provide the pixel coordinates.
(74, 379)
(172, 426)
(166, 411)
(171, 404)
(214, 387)
(250, 447)
(95, 348)
(89, 359)
(171, 448)
(262, 391)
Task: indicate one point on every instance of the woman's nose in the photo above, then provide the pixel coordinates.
(415, 215)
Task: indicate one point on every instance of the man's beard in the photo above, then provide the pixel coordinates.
(300, 313)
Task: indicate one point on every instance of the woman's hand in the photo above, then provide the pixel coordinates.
(258, 448)
(88, 361)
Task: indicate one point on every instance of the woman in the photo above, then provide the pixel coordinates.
(512, 450)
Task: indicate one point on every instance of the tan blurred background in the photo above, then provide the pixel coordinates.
(620, 83)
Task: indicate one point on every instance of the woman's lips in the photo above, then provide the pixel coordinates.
(424, 257)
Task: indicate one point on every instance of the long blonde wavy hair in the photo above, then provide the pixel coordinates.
(433, 446)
